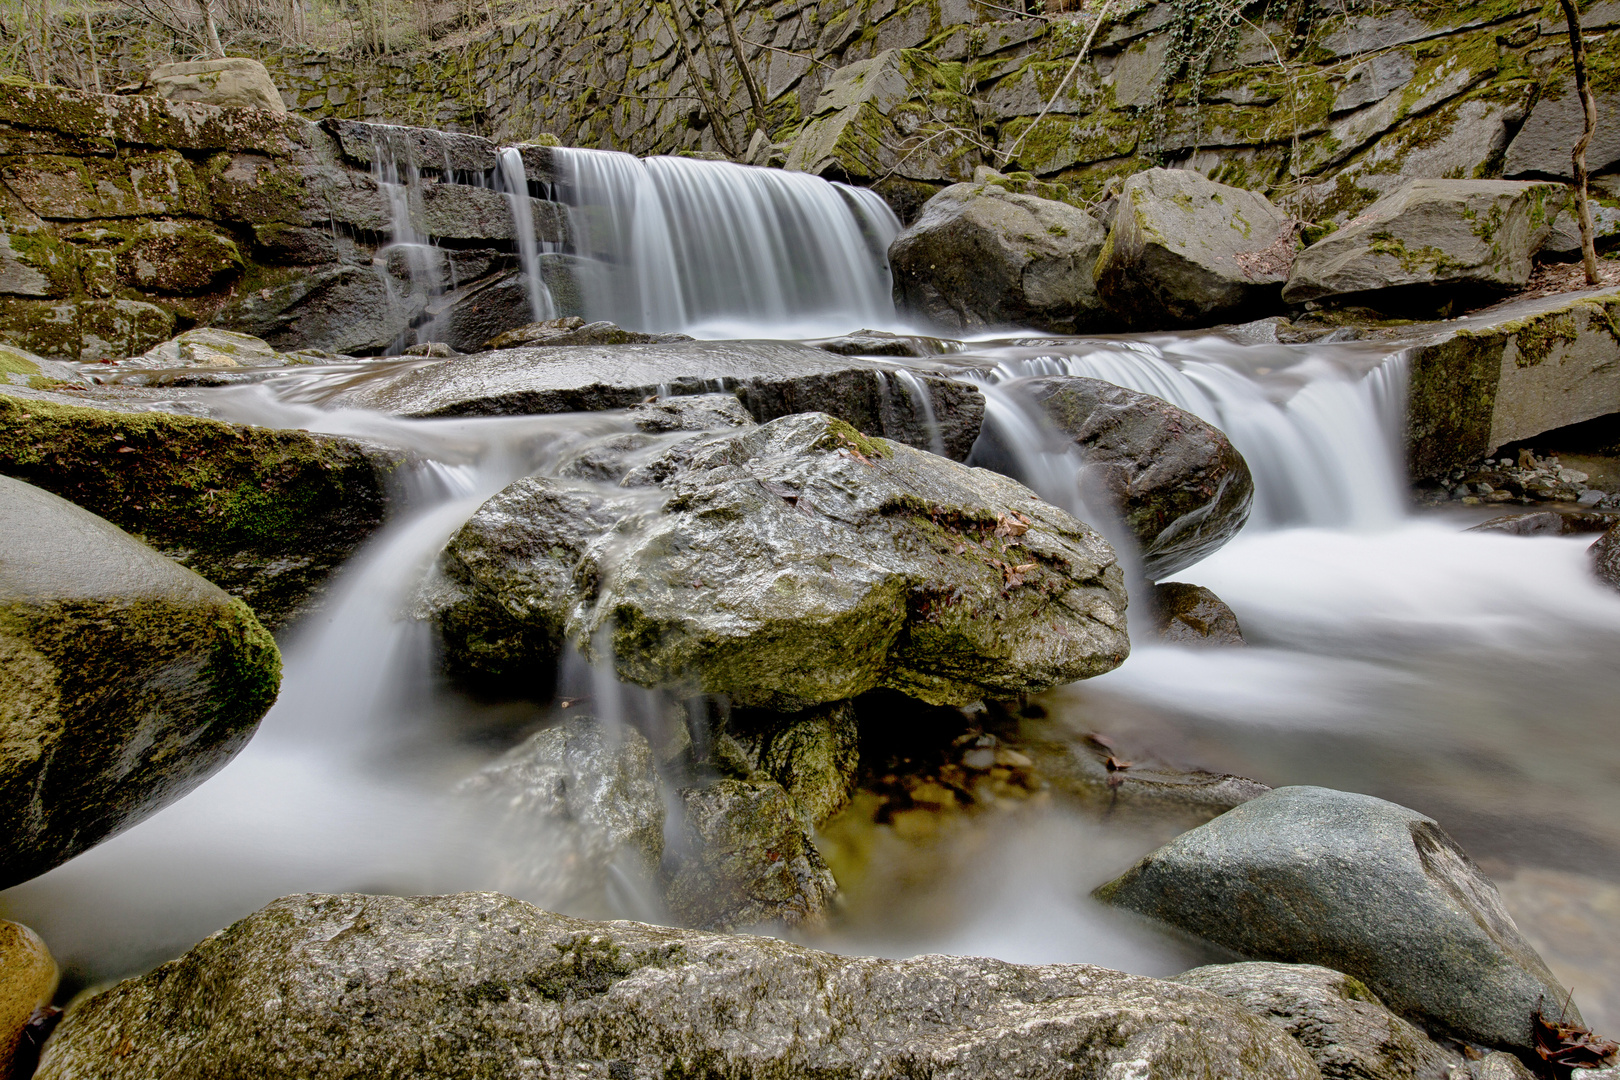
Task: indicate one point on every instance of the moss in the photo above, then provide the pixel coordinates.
(13, 362)
(1420, 261)
(264, 514)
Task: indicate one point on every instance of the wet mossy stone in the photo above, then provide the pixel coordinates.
(266, 514)
(813, 754)
(786, 566)
(1605, 556)
(479, 986)
(1178, 485)
(1192, 615)
(179, 258)
(127, 680)
(1309, 875)
(1186, 251)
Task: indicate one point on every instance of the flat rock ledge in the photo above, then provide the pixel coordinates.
(478, 985)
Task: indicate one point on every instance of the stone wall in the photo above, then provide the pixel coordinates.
(126, 218)
(1323, 108)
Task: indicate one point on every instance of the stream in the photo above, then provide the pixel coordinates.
(1469, 676)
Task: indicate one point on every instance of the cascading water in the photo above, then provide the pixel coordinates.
(514, 182)
(408, 254)
(675, 244)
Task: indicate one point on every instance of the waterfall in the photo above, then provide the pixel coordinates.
(670, 244)
(1318, 425)
(514, 180)
(398, 175)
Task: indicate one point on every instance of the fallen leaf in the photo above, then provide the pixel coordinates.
(1115, 765)
(1569, 1045)
(1011, 526)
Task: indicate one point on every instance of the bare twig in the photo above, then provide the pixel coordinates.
(1079, 58)
(790, 52)
(1583, 209)
(672, 19)
(754, 96)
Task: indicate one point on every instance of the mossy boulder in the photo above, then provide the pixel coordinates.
(1186, 251)
(1428, 239)
(231, 80)
(179, 258)
(786, 566)
(129, 679)
(984, 256)
(482, 986)
(813, 754)
(265, 514)
(87, 330)
(37, 264)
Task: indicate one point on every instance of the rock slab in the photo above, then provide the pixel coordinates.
(478, 985)
(1364, 886)
(128, 679)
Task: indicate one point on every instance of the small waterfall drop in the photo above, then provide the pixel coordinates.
(668, 244)
(407, 254)
(514, 182)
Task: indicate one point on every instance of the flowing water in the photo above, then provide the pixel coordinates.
(1467, 675)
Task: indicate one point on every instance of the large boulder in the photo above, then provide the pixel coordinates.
(575, 807)
(1430, 238)
(1315, 876)
(1186, 251)
(266, 514)
(1176, 483)
(787, 566)
(744, 859)
(981, 256)
(1339, 1022)
(230, 80)
(482, 986)
(128, 680)
(773, 379)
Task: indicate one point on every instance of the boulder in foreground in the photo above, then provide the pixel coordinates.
(787, 566)
(127, 680)
(482, 986)
(1315, 876)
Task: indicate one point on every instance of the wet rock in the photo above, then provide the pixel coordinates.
(883, 343)
(982, 256)
(744, 859)
(343, 309)
(1192, 615)
(267, 515)
(481, 985)
(772, 379)
(1605, 556)
(813, 754)
(792, 564)
(1177, 483)
(231, 80)
(1549, 523)
(610, 457)
(129, 679)
(1438, 234)
(1186, 251)
(1340, 1023)
(27, 981)
(87, 330)
(466, 317)
(574, 803)
(1315, 876)
(574, 330)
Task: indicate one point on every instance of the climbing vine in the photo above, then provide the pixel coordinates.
(1198, 33)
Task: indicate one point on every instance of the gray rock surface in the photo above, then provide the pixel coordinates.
(1605, 556)
(1340, 1023)
(574, 330)
(793, 564)
(1192, 615)
(772, 378)
(982, 256)
(1178, 485)
(573, 805)
(480, 985)
(231, 80)
(128, 680)
(1445, 233)
(744, 859)
(884, 343)
(610, 457)
(1542, 146)
(1316, 876)
(1186, 251)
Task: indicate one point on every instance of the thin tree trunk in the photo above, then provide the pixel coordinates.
(673, 19)
(95, 65)
(721, 135)
(1583, 209)
(215, 49)
(749, 81)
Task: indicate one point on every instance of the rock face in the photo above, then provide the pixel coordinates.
(479, 985)
(610, 457)
(233, 80)
(1178, 485)
(575, 803)
(1186, 251)
(129, 679)
(265, 514)
(1340, 1023)
(1380, 892)
(981, 256)
(813, 755)
(772, 378)
(1605, 555)
(744, 860)
(1507, 374)
(27, 981)
(1192, 615)
(1542, 146)
(1436, 234)
(793, 564)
